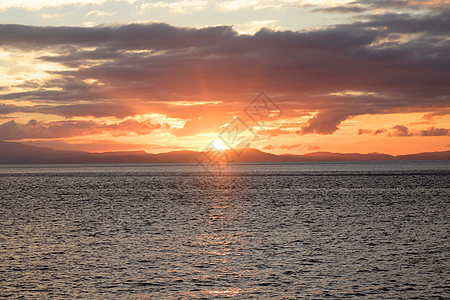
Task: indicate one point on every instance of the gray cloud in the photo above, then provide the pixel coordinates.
(6, 109)
(372, 132)
(364, 131)
(435, 132)
(156, 36)
(400, 130)
(379, 131)
(324, 123)
(360, 6)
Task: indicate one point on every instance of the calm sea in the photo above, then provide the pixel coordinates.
(253, 231)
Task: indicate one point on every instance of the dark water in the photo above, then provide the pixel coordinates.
(308, 230)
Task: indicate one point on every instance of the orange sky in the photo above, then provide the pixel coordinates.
(371, 82)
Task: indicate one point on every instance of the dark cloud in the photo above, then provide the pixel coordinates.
(400, 130)
(441, 113)
(379, 131)
(404, 23)
(435, 132)
(360, 6)
(342, 9)
(138, 68)
(324, 122)
(6, 109)
(98, 110)
(155, 36)
(372, 132)
(364, 131)
(63, 129)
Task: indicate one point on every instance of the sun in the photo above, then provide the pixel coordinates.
(218, 145)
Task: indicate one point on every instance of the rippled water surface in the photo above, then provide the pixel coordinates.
(253, 231)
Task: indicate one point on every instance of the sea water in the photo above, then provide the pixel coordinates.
(248, 231)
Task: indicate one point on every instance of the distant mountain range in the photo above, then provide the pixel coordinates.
(17, 153)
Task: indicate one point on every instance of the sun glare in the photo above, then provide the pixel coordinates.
(218, 145)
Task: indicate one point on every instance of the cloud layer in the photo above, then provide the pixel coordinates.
(381, 64)
(64, 129)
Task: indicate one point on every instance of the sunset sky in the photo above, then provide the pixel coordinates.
(349, 76)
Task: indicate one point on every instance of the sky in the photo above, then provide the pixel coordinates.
(348, 76)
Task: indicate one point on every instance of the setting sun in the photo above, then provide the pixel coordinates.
(218, 145)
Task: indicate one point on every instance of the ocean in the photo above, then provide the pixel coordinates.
(251, 231)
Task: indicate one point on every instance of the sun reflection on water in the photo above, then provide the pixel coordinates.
(225, 292)
(218, 245)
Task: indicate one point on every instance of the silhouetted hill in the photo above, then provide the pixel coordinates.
(445, 155)
(17, 153)
(329, 156)
(181, 156)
